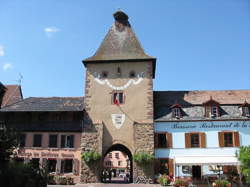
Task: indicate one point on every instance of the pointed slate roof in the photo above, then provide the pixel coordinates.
(120, 44)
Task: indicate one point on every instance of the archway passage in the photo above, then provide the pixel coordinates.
(117, 165)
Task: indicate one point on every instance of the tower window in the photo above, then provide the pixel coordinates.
(119, 72)
(132, 74)
(104, 75)
(118, 98)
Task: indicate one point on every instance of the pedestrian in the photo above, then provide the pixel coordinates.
(110, 175)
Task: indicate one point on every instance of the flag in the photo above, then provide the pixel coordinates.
(116, 101)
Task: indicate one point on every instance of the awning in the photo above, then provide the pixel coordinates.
(206, 160)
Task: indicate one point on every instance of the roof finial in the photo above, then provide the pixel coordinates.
(120, 16)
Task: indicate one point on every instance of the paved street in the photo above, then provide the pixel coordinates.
(107, 185)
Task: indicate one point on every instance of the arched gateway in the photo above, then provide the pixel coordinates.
(118, 100)
(129, 162)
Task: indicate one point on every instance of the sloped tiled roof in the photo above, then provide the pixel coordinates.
(47, 104)
(200, 97)
(192, 103)
(120, 42)
(13, 94)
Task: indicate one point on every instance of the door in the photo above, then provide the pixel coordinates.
(196, 172)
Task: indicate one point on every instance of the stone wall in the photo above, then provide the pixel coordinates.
(92, 137)
(144, 142)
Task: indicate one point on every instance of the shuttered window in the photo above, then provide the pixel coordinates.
(229, 139)
(163, 140)
(195, 140)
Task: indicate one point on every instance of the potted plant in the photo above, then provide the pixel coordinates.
(90, 156)
(143, 158)
(180, 182)
(163, 180)
(222, 183)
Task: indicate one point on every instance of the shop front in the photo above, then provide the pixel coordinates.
(58, 162)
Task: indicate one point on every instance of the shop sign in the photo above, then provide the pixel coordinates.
(46, 155)
(203, 126)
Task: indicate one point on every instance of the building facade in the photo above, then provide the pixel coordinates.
(201, 131)
(190, 133)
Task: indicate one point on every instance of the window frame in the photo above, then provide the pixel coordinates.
(65, 143)
(168, 138)
(194, 136)
(245, 111)
(34, 140)
(114, 96)
(235, 138)
(228, 138)
(56, 143)
(209, 107)
(63, 166)
(202, 139)
(23, 137)
(54, 167)
(117, 155)
(176, 112)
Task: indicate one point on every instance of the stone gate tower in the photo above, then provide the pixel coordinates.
(118, 99)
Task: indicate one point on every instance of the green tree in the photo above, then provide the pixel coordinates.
(244, 158)
(9, 141)
(14, 174)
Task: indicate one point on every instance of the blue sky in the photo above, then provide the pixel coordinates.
(199, 44)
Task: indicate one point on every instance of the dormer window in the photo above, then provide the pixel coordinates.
(211, 108)
(176, 111)
(245, 109)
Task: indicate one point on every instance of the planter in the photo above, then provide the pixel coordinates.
(220, 185)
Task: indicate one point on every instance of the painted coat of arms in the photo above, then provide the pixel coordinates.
(118, 120)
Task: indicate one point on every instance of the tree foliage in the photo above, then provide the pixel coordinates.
(143, 158)
(14, 174)
(90, 156)
(9, 141)
(244, 158)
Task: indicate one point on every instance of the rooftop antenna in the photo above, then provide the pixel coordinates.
(19, 81)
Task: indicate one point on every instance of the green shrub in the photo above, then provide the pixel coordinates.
(51, 179)
(62, 180)
(23, 175)
(90, 156)
(143, 158)
(244, 158)
(180, 182)
(163, 180)
(221, 183)
(70, 180)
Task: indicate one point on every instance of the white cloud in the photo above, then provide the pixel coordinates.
(1, 50)
(7, 66)
(51, 30)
